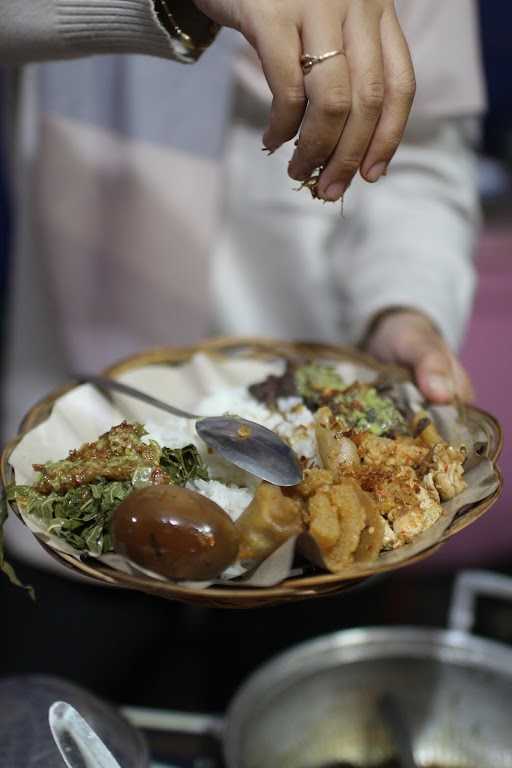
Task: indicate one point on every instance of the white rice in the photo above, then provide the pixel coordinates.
(173, 433)
(238, 402)
(298, 429)
(229, 497)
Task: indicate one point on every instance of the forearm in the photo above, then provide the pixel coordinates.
(38, 30)
(412, 237)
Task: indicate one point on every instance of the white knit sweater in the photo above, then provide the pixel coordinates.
(35, 30)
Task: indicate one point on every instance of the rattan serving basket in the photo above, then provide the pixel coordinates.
(233, 595)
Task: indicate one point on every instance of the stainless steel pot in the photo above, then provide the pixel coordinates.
(317, 704)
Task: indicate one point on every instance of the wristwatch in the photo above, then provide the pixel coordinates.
(190, 30)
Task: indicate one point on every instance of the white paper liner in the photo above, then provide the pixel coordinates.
(83, 414)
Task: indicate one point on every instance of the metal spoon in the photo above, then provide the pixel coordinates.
(78, 744)
(243, 443)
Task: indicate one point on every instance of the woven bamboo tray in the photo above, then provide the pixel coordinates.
(232, 596)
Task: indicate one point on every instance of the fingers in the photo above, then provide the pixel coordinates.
(279, 49)
(399, 95)
(327, 87)
(362, 35)
(353, 109)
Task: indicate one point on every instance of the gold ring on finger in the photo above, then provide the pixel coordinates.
(308, 61)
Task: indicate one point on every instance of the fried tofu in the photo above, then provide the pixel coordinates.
(444, 468)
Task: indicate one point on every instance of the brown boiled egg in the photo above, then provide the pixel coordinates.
(175, 532)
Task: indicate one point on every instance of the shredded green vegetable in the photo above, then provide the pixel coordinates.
(81, 517)
(183, 464)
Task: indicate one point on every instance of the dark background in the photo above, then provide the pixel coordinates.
(139, 650)
(496, 21)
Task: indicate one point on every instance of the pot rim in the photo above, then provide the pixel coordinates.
(449, 646)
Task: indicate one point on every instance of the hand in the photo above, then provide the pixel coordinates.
(350, 111)
(410, 339)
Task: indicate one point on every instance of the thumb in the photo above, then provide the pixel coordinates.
(410, 339)
(441, 377)
(434, 374)
(422, 349)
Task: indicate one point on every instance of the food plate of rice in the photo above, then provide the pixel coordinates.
(130, 496)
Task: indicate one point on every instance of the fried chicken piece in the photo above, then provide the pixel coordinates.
(443, 468)
(384, 452)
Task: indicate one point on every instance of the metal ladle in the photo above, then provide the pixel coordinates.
(243, 443)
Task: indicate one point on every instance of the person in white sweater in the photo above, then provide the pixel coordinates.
(147, 214)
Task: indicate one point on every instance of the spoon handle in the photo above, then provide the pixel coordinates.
(112, 385)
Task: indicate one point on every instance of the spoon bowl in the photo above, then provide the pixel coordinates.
(252, 447)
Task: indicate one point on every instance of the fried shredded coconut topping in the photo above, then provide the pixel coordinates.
(114, 456)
